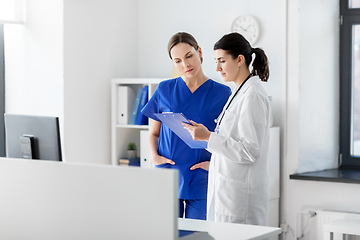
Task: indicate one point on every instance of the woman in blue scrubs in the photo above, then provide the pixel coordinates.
(200, 99)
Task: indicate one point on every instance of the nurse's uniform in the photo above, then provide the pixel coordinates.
(203, 106)
(238, 174)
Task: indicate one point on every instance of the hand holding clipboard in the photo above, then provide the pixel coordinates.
(175, 121)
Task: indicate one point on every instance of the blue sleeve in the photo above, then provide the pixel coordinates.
(152, 105)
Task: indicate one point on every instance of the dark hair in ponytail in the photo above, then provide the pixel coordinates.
(235, 44)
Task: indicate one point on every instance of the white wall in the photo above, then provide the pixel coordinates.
(208, 21)
(60, 64)
(34, 61)
(100, 43)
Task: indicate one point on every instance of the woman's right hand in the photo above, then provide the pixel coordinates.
(155, 127)
(198, 131)
(158, 160)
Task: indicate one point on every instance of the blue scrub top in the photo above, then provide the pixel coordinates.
(202, 106)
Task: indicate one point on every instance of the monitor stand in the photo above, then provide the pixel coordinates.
(27, 146)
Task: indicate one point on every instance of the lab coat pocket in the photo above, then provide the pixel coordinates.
(227, 123)
(231, 198)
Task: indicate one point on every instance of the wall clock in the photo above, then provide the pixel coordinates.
(247, 26)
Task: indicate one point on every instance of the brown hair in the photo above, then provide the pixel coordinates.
(235, 44)
(182, 37)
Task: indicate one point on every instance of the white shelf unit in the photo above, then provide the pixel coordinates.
(122, 135)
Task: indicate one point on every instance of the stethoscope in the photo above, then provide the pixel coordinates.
(221, 116)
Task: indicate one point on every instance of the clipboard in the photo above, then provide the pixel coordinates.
(174, 122)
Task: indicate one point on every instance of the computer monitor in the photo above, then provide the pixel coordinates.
(32, 137)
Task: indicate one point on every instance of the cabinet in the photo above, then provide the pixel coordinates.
(123, 134)
(144, 150)
(274, 178)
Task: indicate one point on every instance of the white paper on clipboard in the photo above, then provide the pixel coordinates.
(174, 122)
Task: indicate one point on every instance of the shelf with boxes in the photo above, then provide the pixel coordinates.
(127, 98)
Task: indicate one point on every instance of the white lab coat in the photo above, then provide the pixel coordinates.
(238, 173)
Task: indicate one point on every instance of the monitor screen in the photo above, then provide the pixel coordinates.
(32, 137)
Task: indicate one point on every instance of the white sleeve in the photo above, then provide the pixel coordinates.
(248, 132)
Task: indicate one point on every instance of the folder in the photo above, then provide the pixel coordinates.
(136, 106)
(174, 122)
(126, 99)
(140, 118)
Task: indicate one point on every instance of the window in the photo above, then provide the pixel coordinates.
(2, 93)
(350, 83)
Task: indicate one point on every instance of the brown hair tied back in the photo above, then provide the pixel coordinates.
(261, 64)
(235, 44)
(182, 37)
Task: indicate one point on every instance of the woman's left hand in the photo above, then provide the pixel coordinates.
(198, 131)
(203, 165)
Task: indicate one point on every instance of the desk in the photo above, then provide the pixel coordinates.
(228, 231)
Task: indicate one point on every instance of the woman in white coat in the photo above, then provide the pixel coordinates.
(238, 171)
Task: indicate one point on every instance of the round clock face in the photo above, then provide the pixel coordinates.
(247, 26)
